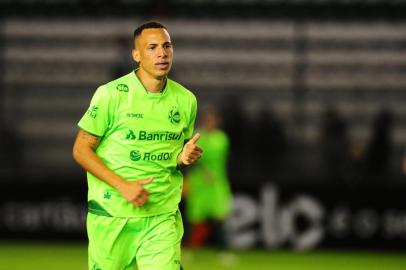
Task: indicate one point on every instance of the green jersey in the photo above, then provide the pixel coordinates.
(142, 134)
(209, 192)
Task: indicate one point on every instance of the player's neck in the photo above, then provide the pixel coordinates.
(151, 84)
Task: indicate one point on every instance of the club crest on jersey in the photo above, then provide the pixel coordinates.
(174, 115)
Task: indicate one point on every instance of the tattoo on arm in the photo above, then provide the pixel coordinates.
(91, 140)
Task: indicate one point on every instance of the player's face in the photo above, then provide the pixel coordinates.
(211, 121)
(154, 53)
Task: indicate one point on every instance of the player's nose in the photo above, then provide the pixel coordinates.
(162, 52)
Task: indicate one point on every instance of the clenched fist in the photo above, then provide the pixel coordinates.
(134, 191)
(191, 151)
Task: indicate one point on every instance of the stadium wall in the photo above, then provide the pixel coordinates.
(268, 217)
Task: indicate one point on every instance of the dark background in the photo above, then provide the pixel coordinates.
(312, 95)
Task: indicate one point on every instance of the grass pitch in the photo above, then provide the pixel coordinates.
(41, 256)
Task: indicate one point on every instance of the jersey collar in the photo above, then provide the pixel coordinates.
(145, 91)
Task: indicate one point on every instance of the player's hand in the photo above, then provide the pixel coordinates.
(134, 191)
(191, 151)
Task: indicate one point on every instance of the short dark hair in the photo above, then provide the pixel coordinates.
(148, 25)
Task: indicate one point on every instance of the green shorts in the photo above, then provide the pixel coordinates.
(150, 243)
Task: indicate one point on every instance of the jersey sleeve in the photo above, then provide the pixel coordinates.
(189, 130)
(97, 119)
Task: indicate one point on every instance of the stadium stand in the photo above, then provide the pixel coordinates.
(294, 68)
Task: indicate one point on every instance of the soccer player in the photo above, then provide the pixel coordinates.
(208, 190)
(132, 140)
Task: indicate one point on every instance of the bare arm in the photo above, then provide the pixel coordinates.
(84, 154)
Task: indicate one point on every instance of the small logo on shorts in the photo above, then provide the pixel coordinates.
(107, 195)
(135, 155)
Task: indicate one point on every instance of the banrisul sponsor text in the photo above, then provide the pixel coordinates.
(159, 136)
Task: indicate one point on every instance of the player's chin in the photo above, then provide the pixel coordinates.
(160, 75)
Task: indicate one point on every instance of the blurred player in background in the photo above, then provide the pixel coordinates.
(132, 143)
(207, 187)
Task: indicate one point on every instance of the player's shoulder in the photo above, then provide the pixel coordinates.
(119, 85)
(220, 136)
(221, 133)
(181, 90)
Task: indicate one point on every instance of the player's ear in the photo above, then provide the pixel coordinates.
(136, 55)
